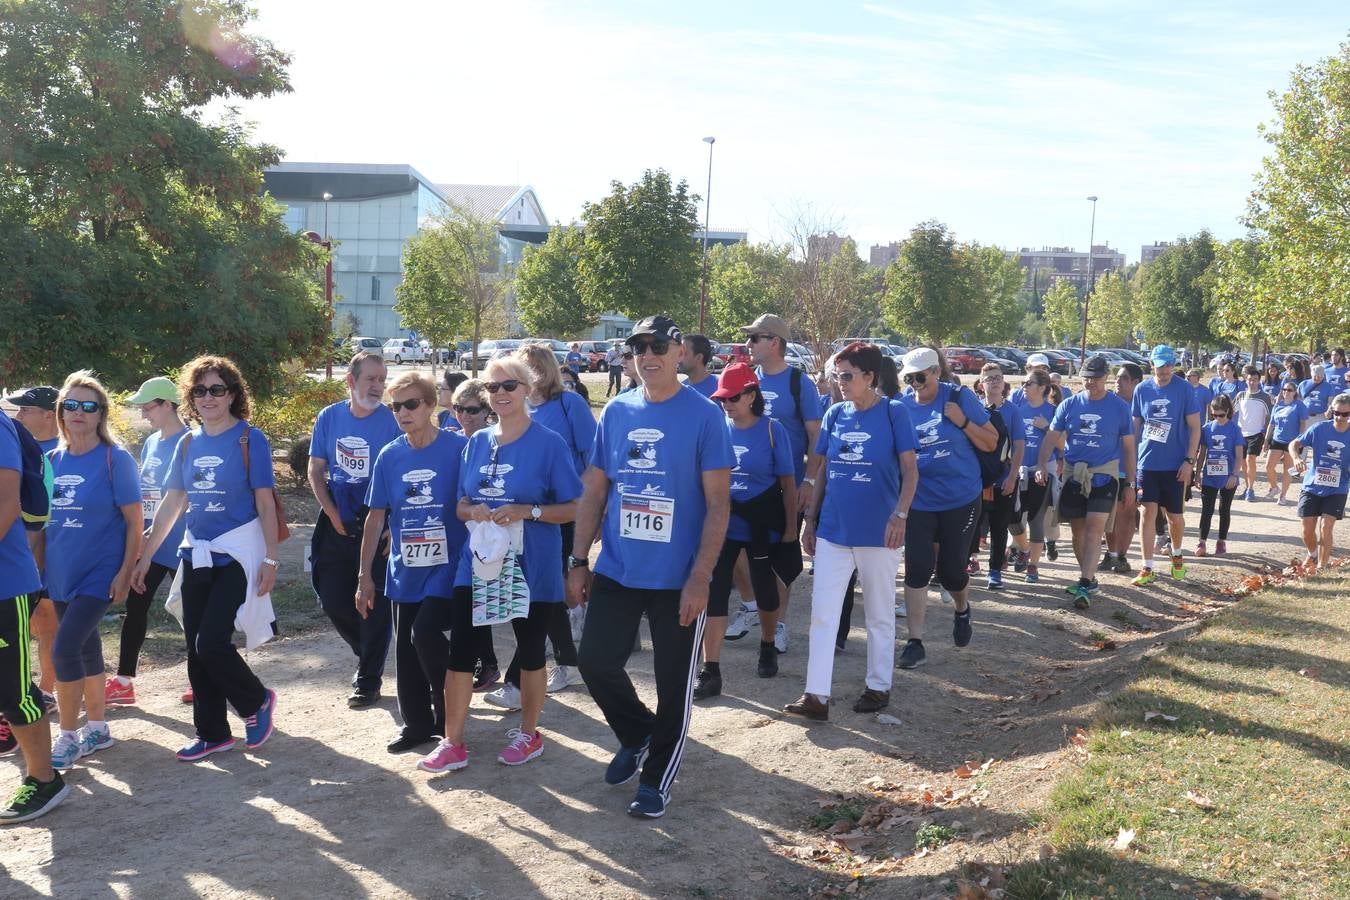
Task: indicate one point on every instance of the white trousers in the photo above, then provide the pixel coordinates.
(877, 568)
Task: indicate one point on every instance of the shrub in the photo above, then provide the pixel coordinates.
(289, 414)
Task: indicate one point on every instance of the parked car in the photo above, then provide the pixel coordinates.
(401, 350)
(801, 358)
(964, 360)
(440, 354)
(726, 354)
(366, 345)
(595, 351)
(1060, 361)
(1134, 356)
(1012, 354)
(492, 350)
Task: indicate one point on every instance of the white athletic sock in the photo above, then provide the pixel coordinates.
(69, 734)
(750, 605)
(95, 725)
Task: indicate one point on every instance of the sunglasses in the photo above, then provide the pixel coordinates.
(628, 354)
(1286, 390)
(509, 384)
(1218, 413)
(756, 338)
(468, 410)
(409, 405)
(660, 348)
(738, 397)
(919, 378)
(1342, 415)
(215, 390)
(845, 377)
(89, 406)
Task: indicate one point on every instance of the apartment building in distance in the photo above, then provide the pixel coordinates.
(882, 255)
(1067, 264)
(1149, 252)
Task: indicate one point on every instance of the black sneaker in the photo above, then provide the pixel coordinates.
(872, 701)
(913, 655)
(407, 741)
(961, 630)
(363, 698)
(1051, 552)
(1120, 565)
(34, 798)
(768, 660)
(1108, 560)
(709, 684)
(1093, 586)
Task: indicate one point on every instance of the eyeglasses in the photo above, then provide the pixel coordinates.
(917, 378)
(468, 410)
(569, 385)
(660, 348)
(409, 405)
(844, 377)
(509, 384)
(628, 354)
(1286, 390)
(89, 406)
(738, 397)
(216, 390)
(1342, 415)
(756, 338)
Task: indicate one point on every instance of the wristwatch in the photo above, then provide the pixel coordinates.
(536, 512)
(1189, 461)
(810, 481)
(269, 561)
(900, 514)
(578, 562)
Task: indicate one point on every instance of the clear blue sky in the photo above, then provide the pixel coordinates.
(995, 118)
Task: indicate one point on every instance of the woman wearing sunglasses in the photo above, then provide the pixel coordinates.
(412, 490)
(1326, 479)
(515, 471)
(92, 542)
(868, 477)
(1288, 420)
(1222, 449)
(221, 481)
(445, 398)
(763, 501)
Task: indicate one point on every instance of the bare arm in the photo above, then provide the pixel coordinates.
(9, 499)
(590, 509)
(370, 543)
(984, 437)
(166, 514)
(717, 497)
(814, 463)
(318, 483)
(121, 584)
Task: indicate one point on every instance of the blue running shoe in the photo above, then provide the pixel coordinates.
(626, 763)
(258, 727)
(961, 630)
(649, 802)
(91, 740)
(200, 749)
(995, 581)
(65, 751)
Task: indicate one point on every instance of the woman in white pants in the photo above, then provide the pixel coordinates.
(867, 475)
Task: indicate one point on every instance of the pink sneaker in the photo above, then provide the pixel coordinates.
(115, 693)
(187, 696)
(1221, 548)
(522, 748)
(445, 757)
(1200, 549)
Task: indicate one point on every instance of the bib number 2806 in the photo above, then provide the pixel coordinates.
(647, 518)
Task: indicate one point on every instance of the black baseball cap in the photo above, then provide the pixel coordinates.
(42, 396)
(663, 328)
(1096, 367)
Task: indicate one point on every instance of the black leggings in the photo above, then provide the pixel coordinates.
(998, 515)
(464, 641)
(762, 579)
(1225, 496)
(940, 540)
(559, 622)
(136, 621)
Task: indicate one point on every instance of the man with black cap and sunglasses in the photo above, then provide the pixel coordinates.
(348, 436)
(657, 493)
(37, 412)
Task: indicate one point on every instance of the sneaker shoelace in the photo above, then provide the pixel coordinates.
(519, 739)
(26, 792)
(5, 730)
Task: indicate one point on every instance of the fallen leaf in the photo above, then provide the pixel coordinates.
(851, 841)
(1079, 738)
(761, 722)
(1309, 673)
(842, 826)
(1037, 766)
(1107, 644)
(887, 719)
(1046, 852)
(1200, 800)
(1150, 716)
(1124, 838)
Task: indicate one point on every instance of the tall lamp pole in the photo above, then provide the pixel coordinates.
(707, 206)
(1092, 234)
(326, 243)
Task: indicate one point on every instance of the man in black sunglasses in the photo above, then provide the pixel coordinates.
(658, 484)
(347, 437)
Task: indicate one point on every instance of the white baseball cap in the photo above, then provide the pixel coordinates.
(1038, 359)
(488, 542)
(920, 359)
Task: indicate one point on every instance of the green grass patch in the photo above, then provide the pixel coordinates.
(1246, 790)
(933, 836)
(845, 811)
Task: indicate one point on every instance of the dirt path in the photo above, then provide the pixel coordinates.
(323, 809)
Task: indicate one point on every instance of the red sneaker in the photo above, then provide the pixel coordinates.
(523, 748)
(115, 693)
(187, 695)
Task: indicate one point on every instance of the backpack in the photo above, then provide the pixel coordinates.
(35, 481)
(993, 463)
(794, 386)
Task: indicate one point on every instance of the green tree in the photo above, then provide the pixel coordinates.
(136, 233)
(1301, 204)
(453, 280)
(1112, 316)
(930, 294)
(639, 256)
(996, 281)
(547, 298)
(1063, 315)
(1241, 308)
(745, 281)
(1174, 300)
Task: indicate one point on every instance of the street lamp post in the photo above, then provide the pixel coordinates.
(707, 207)
(1092, 235)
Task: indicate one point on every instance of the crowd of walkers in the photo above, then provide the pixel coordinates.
(446, 509)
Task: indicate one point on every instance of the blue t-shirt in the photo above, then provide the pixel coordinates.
(1092, 430)
(1329, 471)
(419, 488)
(535, 468)
(1272, 390)
(1012, 420)
(706, 386)
(1203, 396)
(758, 468)
(18, 571)
(1229, 389)
(1317, 395)
(349, 445)
(49, 445)
(1220, 443)
(1338, 375)
(574, 361)
(862, 470)
(219, 492)
(156, 454)
(1164, 437)
(779, 405)
(569, 417)
(949, 470)
(654, 455)
(826, 401)
(87, 535)
(446, 419)
(1030, 433)
(1287, 421)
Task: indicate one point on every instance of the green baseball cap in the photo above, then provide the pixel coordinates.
(158, 388)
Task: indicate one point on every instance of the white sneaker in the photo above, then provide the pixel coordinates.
(561, 678)
(946, 596)
(780, 637)
(742, 622)
(506, 697)
(901, 611)
(577, 615)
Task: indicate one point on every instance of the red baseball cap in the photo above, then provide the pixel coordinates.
(735, 378)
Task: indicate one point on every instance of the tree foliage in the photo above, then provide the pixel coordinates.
(745, 281)
(996, 281)
(135, 231)
(1174, 297)
(1062, 314)
(1241, 308)
(930, 287)
(639, 256)
(1112, 313)
(547, 298)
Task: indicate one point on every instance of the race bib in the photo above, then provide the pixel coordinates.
(421, 547)
(647, 518)
(1327, 476)
(150, 498)
(354, 461)
(1217, 466)
(1157, 431)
